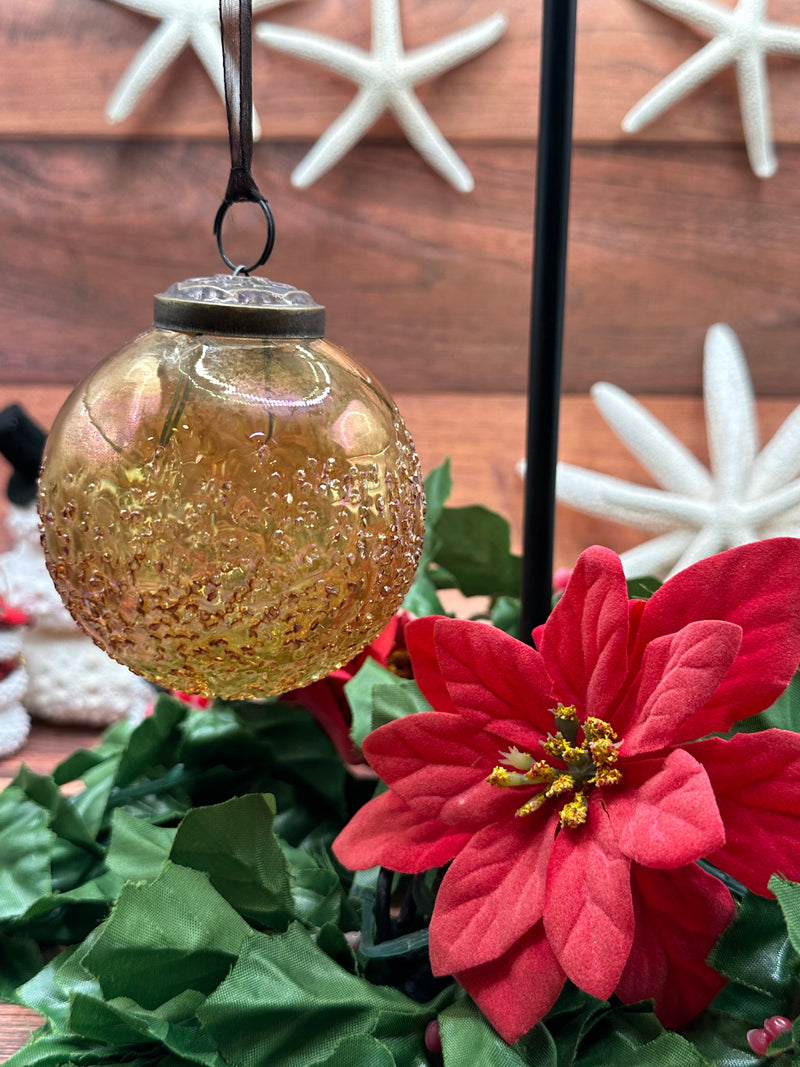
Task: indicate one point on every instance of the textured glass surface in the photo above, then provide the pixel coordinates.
(229, 516)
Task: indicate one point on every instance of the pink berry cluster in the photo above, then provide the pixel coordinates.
(759, 1040)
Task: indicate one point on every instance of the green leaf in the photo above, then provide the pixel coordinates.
(468, 1038)
(438, 487)
(422, 598)
(286, 1002)
(317, 893)
(20, 959)
(784, 714)
(376, 696)
(165, 936)
(154, 743)
(51, 991)
(788, 897)
(25, 847)
(137, 849)
(122, 1022)
(505, 614)
(234, 845)
(664, 1051)
(613, 1033)
(722, 1039)
(474, 545)
(642, 588)
(359, 1051)
(755, 954)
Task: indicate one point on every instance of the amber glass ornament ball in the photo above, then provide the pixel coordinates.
(232, 513)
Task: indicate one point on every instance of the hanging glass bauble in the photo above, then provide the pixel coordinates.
(231, 506)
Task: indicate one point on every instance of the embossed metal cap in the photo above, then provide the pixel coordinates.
(239, 306)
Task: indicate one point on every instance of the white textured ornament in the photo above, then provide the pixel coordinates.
(69, 679)
(14, 720)
(741, 35)
(748, 493)
(183, 22)
(386, 77)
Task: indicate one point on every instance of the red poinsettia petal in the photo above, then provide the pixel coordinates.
(438, 763)
(585, 641)
(680, 915)
(664, 813)
(490, 676)
(756, 587)
(679, 673)
(517, 990)
(427, 673)
(588, 911)
(387, 832)
(492, 893)
(386, 640)
(756, 779)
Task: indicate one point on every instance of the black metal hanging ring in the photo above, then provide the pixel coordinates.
(220, 218)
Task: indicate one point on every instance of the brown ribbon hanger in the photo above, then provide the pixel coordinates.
(236, 21)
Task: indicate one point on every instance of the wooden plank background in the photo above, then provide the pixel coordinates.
(670, 230)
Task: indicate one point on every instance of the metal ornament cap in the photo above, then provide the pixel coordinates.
(237, 305)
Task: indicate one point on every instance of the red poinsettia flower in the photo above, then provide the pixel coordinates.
(566, 786)
(325, 699)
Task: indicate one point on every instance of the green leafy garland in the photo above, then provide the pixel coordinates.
(183, 906)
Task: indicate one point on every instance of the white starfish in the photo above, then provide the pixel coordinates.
(183, 22)
(746, 495)
(740, 35)
(386, 77)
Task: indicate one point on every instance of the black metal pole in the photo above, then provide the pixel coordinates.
(554, 154)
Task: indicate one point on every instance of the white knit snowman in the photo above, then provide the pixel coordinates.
(14, 720)
(70, 679)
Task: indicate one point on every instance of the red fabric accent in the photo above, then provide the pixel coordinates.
(679, 672)
(427, 673)
(588, 912)
(11, 617)
(492, 893)
(666, 815)
(680, 915)
(390, 833)
(438, 764)
(515, 991)
(756, 779)
(490, 675)
(325, 699)
(756, 587)
(584, 642)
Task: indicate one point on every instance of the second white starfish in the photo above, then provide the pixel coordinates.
(746, 494)
(386, 76)
(184, 22)
(742, 35)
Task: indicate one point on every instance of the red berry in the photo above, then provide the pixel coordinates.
(433, 1038)
(776, 1024)
(758, 1040)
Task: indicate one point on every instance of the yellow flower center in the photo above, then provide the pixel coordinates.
(587, 760)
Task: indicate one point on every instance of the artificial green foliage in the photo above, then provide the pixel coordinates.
(468, 549)
(170, 897)
(376, 696)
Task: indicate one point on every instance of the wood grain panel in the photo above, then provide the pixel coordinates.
(430, 290)
(47, 746)
(60, 60)
(484, 437)
(16, 1026)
